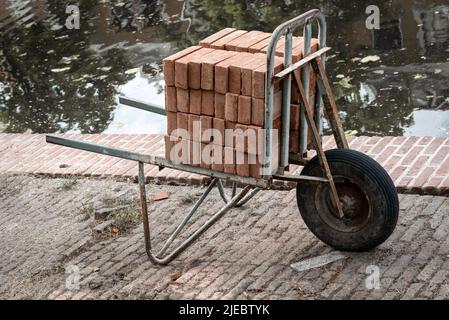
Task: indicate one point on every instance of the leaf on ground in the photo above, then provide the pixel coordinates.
(367, 59)
(115, 230)
(175, 276)
(351, 132)
(344, 82)
(59, 70)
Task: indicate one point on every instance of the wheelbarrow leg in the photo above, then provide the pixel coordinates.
(157, 258)
(242, 202)
(316, 139)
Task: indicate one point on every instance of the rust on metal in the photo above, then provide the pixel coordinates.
(316, 140)
(330, 106)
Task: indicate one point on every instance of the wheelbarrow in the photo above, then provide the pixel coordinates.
(344, 197)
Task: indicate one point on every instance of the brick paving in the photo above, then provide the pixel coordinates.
(417, 165)
(45, 229)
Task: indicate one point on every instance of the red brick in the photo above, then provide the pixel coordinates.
(241, 139)
(195, 67)
(181, 153)
(383, 143)
(407, 145)
(444, 168)
(294, 117)
(247, 72)
(229, 160)
(182, 70)
(182, 121)
(255, 38)
(433, 183)
(235, 73)
(216, 36)
(194, 127)
(208, 67)
(259, 46)
(170, 99)
(258, 112)
(248, 139)
(207, 103)
(424, 141)
(445, 183)
(258, 79)
(242, 166)
(423, 177)
(195, 102)
(188, 70)
(195, 153)
(294, 141)
(220, 102)
(231, 107)
(222, 74)
(229, 133)
(391, 163)
(171, 122)
(397, 141)
(169, 143)
(217, 161)
(382, 158)
(434, 145)
(397, 172)
(298, 49)
(219, 125)
(277, 105)
(182, 98)
(169, 64)
(440, 156)
(206, 124)
(417, 166)
(220, 43)
(254, 167)
(244, 110)
(412, 155)
(232, 45)
(206, 155)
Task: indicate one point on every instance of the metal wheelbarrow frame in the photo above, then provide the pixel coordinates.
(310, 117)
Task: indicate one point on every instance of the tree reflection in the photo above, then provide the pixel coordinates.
(37, 92)
(57, 82)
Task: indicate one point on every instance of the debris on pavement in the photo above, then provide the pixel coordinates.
(318, 261)
(160, 196)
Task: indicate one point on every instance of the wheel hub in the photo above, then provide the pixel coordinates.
(354, 203)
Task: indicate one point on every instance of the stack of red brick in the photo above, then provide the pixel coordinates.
(220, 85)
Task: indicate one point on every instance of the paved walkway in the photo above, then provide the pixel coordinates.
(416, 164)
(53, 247)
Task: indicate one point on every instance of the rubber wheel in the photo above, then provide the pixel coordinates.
(367, 194)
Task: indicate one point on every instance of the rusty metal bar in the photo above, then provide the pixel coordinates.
(155, 160)
(142, 105)
(316, 139)
(156, 259)
(284, 73)
(300, 178)
(330, 106)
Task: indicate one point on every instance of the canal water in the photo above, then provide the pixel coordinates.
(387, 81)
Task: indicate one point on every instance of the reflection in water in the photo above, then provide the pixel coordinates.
(57, 80)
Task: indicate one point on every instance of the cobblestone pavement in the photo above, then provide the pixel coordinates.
(48, 231)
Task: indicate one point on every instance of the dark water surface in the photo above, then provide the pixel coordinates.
(53, 79)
